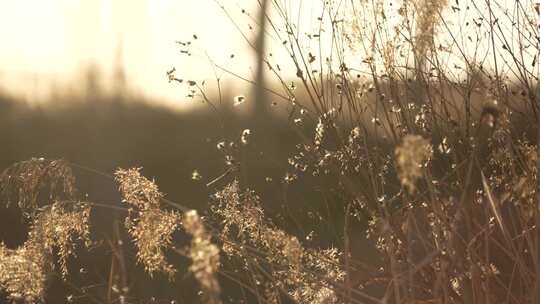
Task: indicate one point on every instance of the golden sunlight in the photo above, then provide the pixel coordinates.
(50, 46)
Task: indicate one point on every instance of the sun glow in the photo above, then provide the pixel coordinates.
(52, 45)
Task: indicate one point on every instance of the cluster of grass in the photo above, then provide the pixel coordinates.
(418, 123)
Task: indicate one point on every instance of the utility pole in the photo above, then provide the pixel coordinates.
(261, 105)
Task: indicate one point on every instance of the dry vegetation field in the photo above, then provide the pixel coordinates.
(404, 171)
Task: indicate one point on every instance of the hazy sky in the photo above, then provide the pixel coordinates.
(48, 44)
